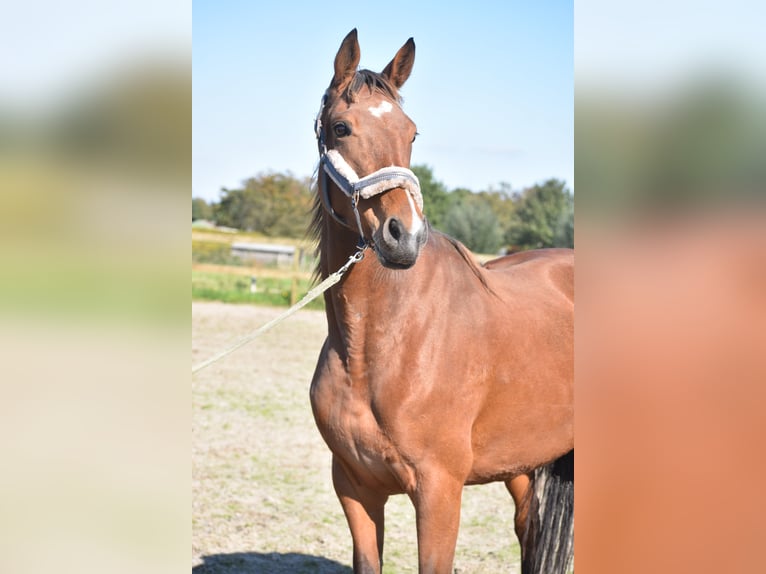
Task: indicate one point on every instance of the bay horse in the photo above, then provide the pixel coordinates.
(436, 372)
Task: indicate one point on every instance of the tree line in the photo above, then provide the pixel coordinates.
(279, 205)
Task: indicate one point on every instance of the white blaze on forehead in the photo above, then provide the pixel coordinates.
(382, 108)
(417, 223)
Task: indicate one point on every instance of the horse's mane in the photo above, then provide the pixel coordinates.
(314, 231)
(374, 82)
(469, 260)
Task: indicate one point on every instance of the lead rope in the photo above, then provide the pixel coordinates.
(331, 280)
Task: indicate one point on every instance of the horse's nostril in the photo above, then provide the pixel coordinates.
(395, 228)
(397, 248)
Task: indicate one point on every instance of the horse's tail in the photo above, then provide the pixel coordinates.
(554, 529)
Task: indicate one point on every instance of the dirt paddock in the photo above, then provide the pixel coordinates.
(262, 497)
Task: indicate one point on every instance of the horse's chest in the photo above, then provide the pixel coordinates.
(347, 423)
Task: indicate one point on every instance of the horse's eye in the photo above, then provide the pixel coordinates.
(415, 137)
(342, 129)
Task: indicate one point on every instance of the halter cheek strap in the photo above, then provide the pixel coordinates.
(332, 164)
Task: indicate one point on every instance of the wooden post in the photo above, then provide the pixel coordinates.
(294, 282)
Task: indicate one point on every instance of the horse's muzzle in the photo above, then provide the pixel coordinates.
(396, 247)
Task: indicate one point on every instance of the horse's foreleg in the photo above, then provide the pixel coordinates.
(526, 520)
(437, 509)
(364, 512)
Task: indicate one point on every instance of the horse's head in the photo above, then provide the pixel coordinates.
(365, 142)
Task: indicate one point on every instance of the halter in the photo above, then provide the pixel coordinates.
(332, 164)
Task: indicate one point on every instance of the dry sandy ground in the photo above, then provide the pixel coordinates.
(262, 497)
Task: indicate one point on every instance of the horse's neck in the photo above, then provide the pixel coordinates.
(366, 288)
(367, 297)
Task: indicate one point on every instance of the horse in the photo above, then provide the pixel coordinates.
(436, 372)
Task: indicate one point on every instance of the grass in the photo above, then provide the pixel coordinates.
(235, 288)
(217, 275)
(215, 251)
(226, 238)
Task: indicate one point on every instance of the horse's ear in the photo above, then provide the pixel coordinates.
(398, 69)
(346, 61)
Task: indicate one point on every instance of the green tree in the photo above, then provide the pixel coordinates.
(565, 233)
(544, 217)
(274, 204)
(201, 209)
(436, 198)
(501, 202)
(472, 221)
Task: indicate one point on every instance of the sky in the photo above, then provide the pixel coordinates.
(51, 49)
(655, 45)
(491, 90)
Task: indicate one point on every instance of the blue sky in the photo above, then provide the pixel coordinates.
(491, 91)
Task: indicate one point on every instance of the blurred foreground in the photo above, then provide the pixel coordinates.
(95, 128)
(671, 292)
